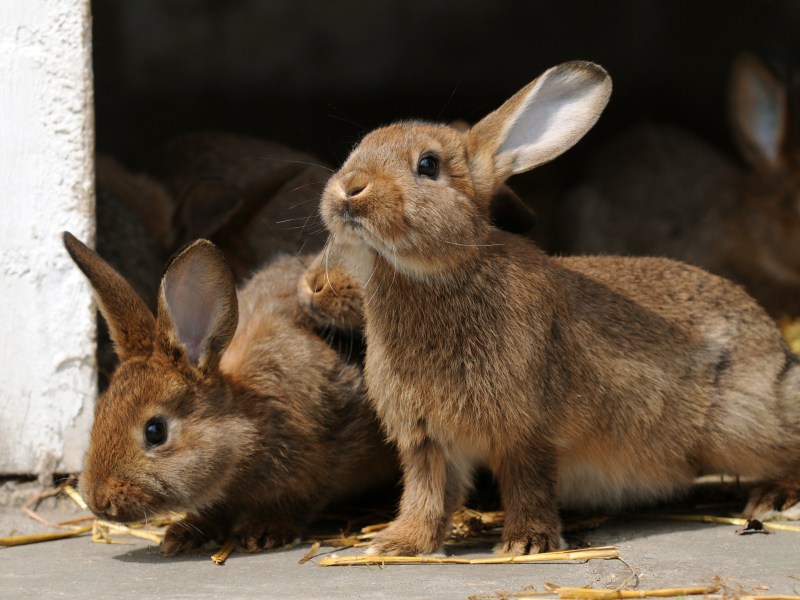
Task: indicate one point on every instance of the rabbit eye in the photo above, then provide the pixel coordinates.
(155, 432)
(428, 166)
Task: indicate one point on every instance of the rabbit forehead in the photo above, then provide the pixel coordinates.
(141, 389)
(405, 142)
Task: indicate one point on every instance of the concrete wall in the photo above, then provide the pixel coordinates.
(47, 372)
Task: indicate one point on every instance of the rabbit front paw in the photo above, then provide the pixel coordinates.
(186, 535)
(257, 537)
(397, 540)
(517, 544)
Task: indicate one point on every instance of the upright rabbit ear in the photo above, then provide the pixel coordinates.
(542, 120)
(758, 111)
(130, 323)
(197, 307)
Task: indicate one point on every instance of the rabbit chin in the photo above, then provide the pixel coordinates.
(359, 258)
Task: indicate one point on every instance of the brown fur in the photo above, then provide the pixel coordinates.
(586, 382)
(255, 199)
(265, 426)
(661, 191)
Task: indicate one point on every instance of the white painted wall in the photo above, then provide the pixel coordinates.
(47, 371)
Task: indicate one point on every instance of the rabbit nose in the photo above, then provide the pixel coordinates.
(354, 185)
(355, 190)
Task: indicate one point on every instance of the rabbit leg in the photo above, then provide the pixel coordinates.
(527, 480)
(193, 532)
(774, 500)
(434, 485)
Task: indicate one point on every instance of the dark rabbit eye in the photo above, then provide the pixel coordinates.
(155, 432)
(428, 166)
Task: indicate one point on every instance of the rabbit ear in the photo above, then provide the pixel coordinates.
(758, 111)
(130, 323)
(197, 307)
(542, 120)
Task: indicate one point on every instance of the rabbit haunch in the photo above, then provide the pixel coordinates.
(579, 381)
(263, 422)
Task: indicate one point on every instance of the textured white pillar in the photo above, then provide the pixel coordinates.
(47, 370)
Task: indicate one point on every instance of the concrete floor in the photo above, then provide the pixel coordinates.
(660, 553)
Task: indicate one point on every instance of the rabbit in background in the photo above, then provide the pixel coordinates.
(581, 382)
(661, 191)
(253, 198)
(257, 199)
(227, 406)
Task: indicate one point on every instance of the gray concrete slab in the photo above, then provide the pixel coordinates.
(662, 554)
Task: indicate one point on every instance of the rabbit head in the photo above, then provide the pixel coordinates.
(760, 107)
(330, 296)
(420, 194)
(162, 438)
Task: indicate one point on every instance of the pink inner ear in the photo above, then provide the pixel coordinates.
(195, 305)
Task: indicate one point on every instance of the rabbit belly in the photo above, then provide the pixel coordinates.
(613, 485)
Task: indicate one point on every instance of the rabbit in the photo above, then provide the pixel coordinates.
(581, 382)
(225, 406)
(663, 191)
(331, 296)
(126, 241)
(255, 199)
(153, 206)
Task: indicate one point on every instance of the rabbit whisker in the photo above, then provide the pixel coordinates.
(449, 99)
(345, 118)
(298, 162)
(349, 353)
(327, 273)
(471, 245)
(366, 283)
(190, 527)
(305, 185)
(298, 227)
(293, 219)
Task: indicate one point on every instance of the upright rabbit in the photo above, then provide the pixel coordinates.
(581, 382)
(233, 411)
(661, 191)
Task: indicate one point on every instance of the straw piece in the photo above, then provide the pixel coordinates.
(716, 519)
(572, 592)
(310, 554)
(75, 496)
(375, 528)
(20, 540)
(791, 331)
(585, 554)
(74, 522)
(105, 529)
(38, 518)
(219, 558)
(339, 542)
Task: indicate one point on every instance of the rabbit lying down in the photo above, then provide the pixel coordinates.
(582, 382)
(226, 406)
(661, 191)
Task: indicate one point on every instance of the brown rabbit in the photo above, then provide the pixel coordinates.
(255, 199)
(581, 382)
(661, 191)
(129, 208)
(241, 417)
